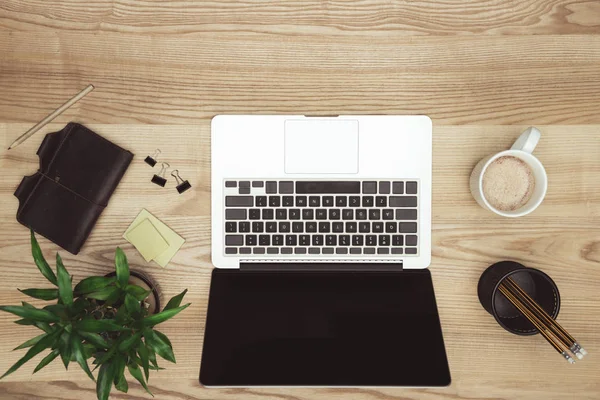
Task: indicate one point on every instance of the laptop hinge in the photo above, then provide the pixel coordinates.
(320, 266)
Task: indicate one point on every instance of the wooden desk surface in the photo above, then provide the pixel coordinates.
(483, 70)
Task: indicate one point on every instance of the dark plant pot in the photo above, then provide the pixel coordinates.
(143, 280)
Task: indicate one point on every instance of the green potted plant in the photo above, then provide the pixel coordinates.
(106, 318)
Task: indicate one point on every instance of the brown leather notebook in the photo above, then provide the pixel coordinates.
(79, 171)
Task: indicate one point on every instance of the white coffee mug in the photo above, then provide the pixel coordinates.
(522, 150)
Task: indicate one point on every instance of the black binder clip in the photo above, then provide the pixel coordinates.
(151, 160)
(182, 185)
(160, 179)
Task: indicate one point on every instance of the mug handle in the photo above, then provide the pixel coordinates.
(528, 140)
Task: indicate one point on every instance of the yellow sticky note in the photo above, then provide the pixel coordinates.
(147, 240)
(173, 239)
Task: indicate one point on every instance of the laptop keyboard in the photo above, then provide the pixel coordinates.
(377, 218)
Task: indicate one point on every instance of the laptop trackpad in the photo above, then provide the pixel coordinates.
(321, 146)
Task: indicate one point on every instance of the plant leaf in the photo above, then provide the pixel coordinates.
(65, 349)
(31, 313)
(132, 304)
(94, 339)
(101, 325)
(135, 371)
(41, 325)
(122, 267)
(46, 360)
(151, 355)
(78, 352)
(93, 284)
(161, 348)
(130, 342)
(57, 309)
(163, 337)
(103, 294)
(175, 301)
(137, 291)
(105, 380)
(30, 342)
(42, 294)
(40, 261)
(143, 352)
(119, 380)
(46, 342)
(163, 316)
(65, 290)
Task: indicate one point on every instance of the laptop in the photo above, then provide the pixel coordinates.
(333, 208)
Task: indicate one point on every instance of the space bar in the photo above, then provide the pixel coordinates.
(320, 187)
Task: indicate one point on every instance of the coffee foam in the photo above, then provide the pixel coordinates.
(508, 183)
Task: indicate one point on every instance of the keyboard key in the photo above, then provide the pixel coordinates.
(327, 250)
(244, 190)
(391, 227)
(284, 227)
(300, 250)
(254, 213)
(245, 250)
(384, 187)
(407, 227)
(272, 250)
(369, 187)
(355, 250)
(334, 213)
(398, 187)
(331, 240)
(251, 240)
(271, 227)
(311, 227)
(337, 227)
(374, 214)
(364, 227)
(287, 250)
(258, 227)
(344, 240)
(317, 240)
(261, 201)
(388, 214)
(301, 201)
(258, 250)
(230, 250)
(406, 214)
(298, 227)
(397, 240)
(377, 227)
(381, 201)
(264, 240)
(327, 201)
(235, 213)
(321, 213)
(281, 213)
(231, 184)
(367, 201)
(403, 201)
(357, 240)
(286, 187)
(397, 250)
(369, 250)
(361, 214)
(411, 240)
(383, 250)
(384, 240)
(244, 227)
(324, 227)
(341, 201)
(277, 240)
(274, 201)
(354, 201)
(234, 240)
(371, 240)
(341, 250)
(291, 240)
(304, 240)
(314, 201)
(348, 214)
(411, 187)
(411, 250)
(324, 187)
(239, 201)
(351, 227)
(294, 213)
(244, 184)
(308, 214)
(230, 227)
(288, 201)
(271, 187)
(314, 250)
(267, 213)
(258, 184)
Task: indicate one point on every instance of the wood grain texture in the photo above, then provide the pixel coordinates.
(483, 70)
